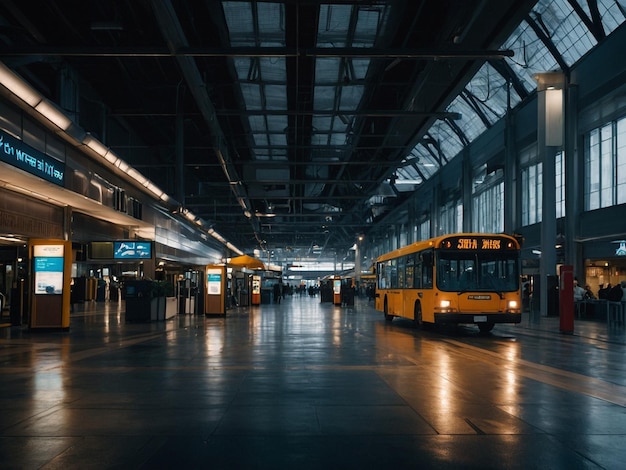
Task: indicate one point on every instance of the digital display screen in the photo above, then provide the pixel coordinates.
(477, 244)
(214, 282)
(132, 250)
(48, 269)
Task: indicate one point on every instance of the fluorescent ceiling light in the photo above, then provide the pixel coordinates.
(53, 114)
(18, 87)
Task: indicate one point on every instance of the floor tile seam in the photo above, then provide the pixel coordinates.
(576, 334)
(535, 365)
(98, 351)
(569, 381)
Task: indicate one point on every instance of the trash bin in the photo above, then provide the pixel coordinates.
(138, 300)
(266, 296)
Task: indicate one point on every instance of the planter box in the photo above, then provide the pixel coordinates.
(171, 307)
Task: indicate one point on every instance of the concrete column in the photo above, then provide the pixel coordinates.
(549, 140)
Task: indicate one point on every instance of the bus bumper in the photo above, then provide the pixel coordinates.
(474, 318)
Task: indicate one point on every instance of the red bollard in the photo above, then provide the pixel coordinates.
(566, 299)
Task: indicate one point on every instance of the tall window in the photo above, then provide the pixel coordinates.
(423, 230)
(451, 218)
(559, 162)
(488, 208)
(621, 161)
(605, 165)
(531, 185)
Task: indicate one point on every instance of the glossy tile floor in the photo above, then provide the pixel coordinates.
(305, 385)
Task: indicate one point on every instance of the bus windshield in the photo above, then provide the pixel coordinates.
(477, 271)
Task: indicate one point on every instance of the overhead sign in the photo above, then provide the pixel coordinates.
(132, 250)
(16, 153)
(621, 249)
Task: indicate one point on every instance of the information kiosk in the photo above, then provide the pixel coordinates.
(337, 291)
(215, 292)
(256, 289)
(52, 270)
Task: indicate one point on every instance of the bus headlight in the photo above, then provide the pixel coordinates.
(444, 304)
(513, 306)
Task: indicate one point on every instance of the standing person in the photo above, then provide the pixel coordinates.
(277, 293)
(579, 292)
(589, 293)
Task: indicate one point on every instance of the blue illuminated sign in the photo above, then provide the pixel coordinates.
(16, 153)
(132, 250)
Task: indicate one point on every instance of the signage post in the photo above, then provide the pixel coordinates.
(50, 288)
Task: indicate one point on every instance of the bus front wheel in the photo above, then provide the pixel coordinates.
(485, 327)
(417, 316)
(387, 316)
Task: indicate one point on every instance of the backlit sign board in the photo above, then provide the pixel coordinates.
(132, 250)
(16, 153)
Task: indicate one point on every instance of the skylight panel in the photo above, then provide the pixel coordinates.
(260, 140)
(273, 69)
(530, 55)
(422, 159)
(366, 30)
(334, 24)
(612, 13)
(275, 97)
(359, 68)
(350, 97)
(407, 175)
(490, 90)
(252, 95)
(277, 123)
(568, 33)
(449, 143)
(470, 123)
(325, 97)
(327, 70)
(321, 130)
(240, 22)
(271, 17)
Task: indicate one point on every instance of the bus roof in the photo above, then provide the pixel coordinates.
(436, 243)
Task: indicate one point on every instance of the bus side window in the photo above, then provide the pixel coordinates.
(427, 269)
(401, 271)
(409, 273)
(393, 274)
(417, 278)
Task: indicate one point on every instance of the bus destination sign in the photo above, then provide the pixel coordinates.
(474, 243)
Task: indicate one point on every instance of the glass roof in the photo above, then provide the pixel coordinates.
(551, 26)
(339, 83)
(553, 36)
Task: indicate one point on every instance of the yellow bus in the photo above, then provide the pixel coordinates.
(464, 278)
